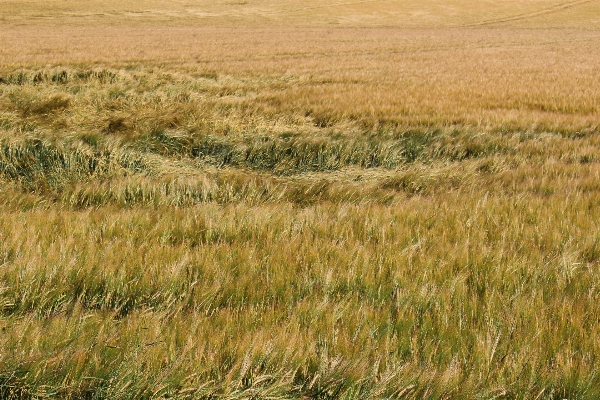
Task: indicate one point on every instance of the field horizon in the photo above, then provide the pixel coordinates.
(292, 200)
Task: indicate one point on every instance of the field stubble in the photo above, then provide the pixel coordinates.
(360, 209)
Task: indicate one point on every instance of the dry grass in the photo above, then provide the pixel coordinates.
(489, 79)
(259, 199)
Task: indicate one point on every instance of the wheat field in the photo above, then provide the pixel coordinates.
(291, 200)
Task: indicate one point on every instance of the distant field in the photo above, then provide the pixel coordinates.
(269, 199)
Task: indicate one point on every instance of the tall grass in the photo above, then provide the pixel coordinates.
(165, 235)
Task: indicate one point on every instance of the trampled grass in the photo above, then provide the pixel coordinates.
(373, 199)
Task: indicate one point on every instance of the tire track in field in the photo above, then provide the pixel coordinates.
(329, 6)
(549, 10)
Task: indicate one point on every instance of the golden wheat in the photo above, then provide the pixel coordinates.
(265, 199)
